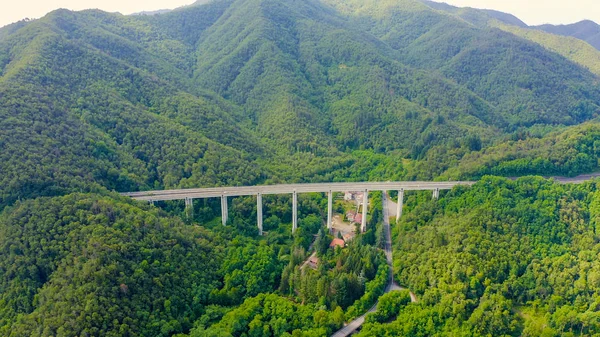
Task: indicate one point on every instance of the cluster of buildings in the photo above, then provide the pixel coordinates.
(353, 217)
(313, 260)
(349, 196)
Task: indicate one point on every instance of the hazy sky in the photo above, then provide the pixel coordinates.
(530, 11)
(535, 12)
(15, 10)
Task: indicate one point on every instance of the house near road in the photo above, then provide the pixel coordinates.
(348, 237)
(349, 196)
(337, 243)
(350, 215)
(313, 262)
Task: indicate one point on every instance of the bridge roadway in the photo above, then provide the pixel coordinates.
(216, 192)
(224, 192)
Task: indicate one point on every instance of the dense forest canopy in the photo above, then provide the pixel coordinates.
(246, 92)
(503, 258)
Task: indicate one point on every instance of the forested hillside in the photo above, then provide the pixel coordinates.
(503, 258)
(585, 30)
(246, 92)
(101, 266)
(572, 48)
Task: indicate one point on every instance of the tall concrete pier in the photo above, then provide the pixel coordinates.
(224, 210)
(363, 225)
(399, 204)
(189, 208)
(223, 192)
(259, 213)
(294, 211)
(329, 210)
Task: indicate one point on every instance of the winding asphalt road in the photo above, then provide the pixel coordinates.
(358, 322)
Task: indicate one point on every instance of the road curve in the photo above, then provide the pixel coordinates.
(391, 286)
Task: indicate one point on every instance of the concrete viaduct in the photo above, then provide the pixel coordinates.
(224, 192)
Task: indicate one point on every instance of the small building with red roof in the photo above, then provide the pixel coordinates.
(337, 242)
(348, 237)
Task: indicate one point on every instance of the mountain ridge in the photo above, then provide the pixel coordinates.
(586, 30)
(265, 81)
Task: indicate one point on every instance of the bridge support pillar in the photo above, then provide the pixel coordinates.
(259, 214)
(330, 210)
(363, 226)
(436, 194)
(224, 210)
(399, 205)
(294, 212)
(189, 207)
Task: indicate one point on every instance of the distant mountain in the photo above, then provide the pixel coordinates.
(586, 30)
(476, 16)
(160, 11)
(572, 48)
(571, 41)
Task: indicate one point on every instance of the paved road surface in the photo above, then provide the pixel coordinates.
(569, 180)
(358, 322)
(575, 180)
(214, 192)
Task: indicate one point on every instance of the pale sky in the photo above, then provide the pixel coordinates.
(15, 10)
(537, 12)
(533, 12)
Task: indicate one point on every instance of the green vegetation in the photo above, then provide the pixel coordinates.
(244, 92)
(501, 258)
(272, 315)
(564, 153)
(585, 30)
(389, 306)
(102, 100)
(91, 265)
(574, 49)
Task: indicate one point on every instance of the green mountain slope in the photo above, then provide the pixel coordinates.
(574, 42)
(91, 265)
(80, 113)
(586, 30)
(478, 17)
(571, 48)
(567, 152)
(274, 78)
(525, 83)
(202, 94)
(498, 259)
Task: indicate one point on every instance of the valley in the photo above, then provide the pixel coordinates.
(231, 168)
